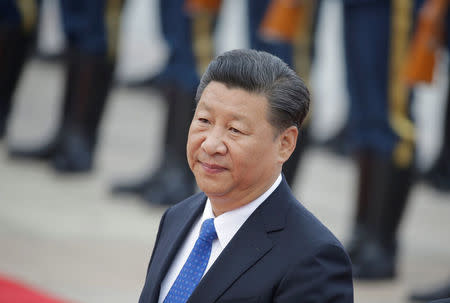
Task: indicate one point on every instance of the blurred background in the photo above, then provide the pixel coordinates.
(80, 222)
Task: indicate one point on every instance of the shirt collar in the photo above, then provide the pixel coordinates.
(227, 224)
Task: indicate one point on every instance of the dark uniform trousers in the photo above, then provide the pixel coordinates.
(90, 29)
(381, 133)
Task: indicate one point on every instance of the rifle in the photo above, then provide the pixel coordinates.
(282, 20)
(426, 42)
(203, 6)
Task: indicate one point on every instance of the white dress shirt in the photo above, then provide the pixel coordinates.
(227, 225)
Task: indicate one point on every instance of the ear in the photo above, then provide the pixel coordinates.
(288, 141)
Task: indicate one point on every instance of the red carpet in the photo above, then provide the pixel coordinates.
(14, 292)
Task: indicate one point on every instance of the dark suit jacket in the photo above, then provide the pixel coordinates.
(282, 253)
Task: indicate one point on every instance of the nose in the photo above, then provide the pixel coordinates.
(213, 143)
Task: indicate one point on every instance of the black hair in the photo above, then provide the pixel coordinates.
(262, 73)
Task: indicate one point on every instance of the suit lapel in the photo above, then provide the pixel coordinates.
(171, 240)
(248, 246)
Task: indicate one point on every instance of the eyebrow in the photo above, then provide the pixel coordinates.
(202, 104)
(239, 117)
(234, 116)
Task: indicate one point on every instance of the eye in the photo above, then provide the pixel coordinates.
(203, 120)
(235, 130)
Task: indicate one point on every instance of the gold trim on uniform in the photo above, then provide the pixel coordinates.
(399, 119)
(202, 39)
(303, 46)
(28, 8)
(304, 40)
(112, 22)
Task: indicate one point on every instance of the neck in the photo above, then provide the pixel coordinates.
(226, 203)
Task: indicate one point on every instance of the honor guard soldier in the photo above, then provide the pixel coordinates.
(381, 133)
(91, 31)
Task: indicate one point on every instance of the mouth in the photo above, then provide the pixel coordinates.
(212, 168)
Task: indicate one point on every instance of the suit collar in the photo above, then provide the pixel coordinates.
(185, 215)
(248, 246)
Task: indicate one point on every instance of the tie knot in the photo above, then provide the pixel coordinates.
(208, 231)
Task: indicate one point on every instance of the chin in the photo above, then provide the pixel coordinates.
(210, 189)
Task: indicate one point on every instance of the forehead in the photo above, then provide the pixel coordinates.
(239, 102)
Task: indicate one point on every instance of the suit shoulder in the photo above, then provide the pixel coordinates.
(307, 227)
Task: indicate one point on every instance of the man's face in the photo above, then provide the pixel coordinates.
(232, 149)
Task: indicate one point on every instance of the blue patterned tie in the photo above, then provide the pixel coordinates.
(192, 271)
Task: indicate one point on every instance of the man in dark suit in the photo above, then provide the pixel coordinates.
(245, 238)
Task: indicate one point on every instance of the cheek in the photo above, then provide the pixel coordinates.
(244, 159)
(256, 159)
(193, 145)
